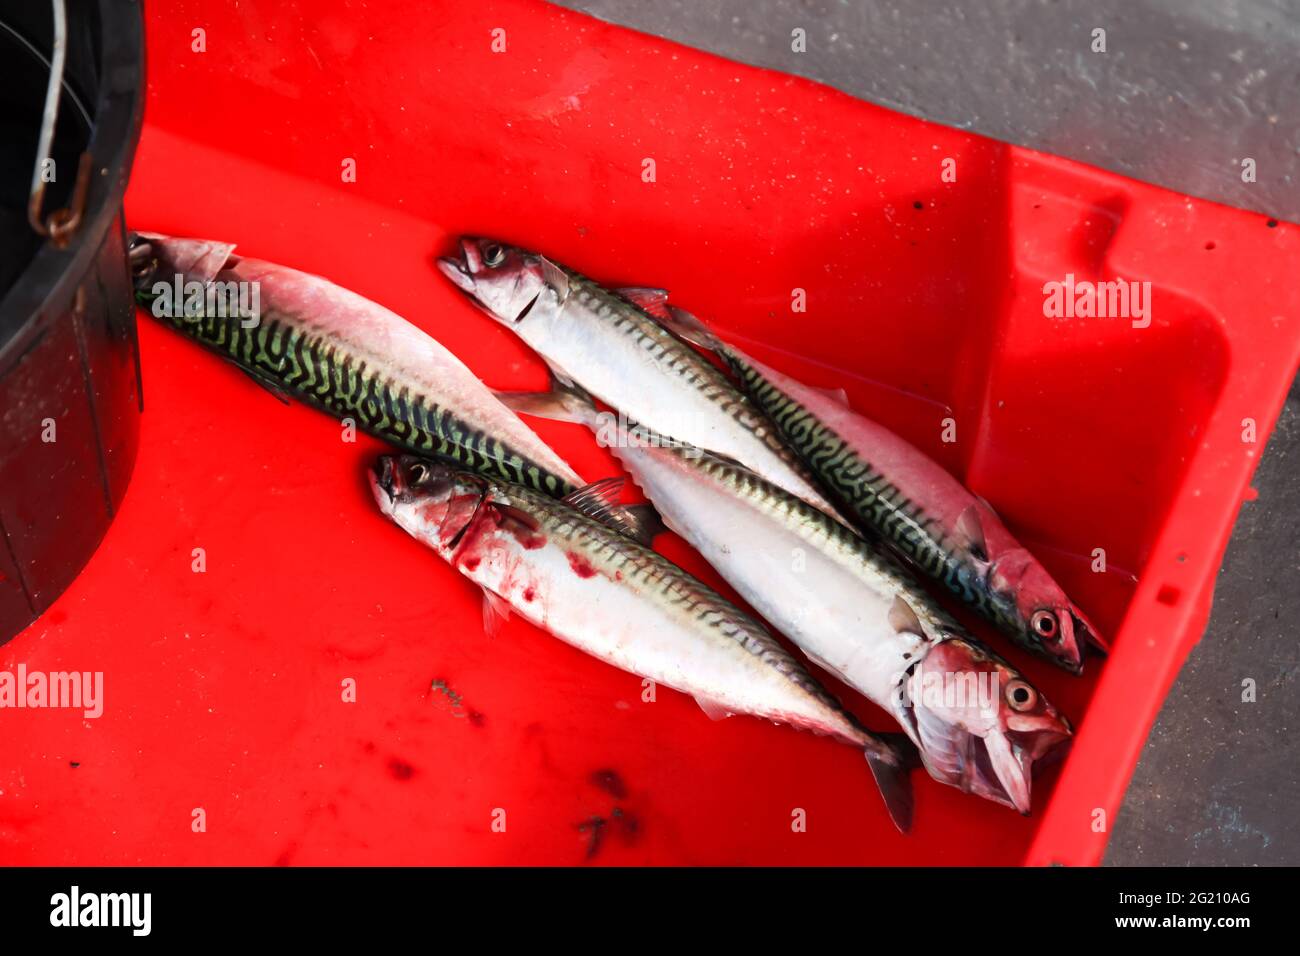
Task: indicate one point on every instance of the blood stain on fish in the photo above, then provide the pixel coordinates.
(530, 594)
(581, 566)
(474, 535)
(521, 526)
(457, 514)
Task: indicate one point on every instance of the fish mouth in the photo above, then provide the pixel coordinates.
(461, 270)
(1071, 658)
(385, 483)
(1086, 635)
(143, 262)
(997, 765)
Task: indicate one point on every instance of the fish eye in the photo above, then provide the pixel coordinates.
(1044, 624)
(144, 267)
(1021, 696)
(419, 472)
(494, 255)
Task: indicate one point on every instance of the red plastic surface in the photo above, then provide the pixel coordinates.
(924, 301)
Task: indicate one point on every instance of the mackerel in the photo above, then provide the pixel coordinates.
(892, 490)
(344, 354)
(614, 344)
(579, 580)
(854, 610)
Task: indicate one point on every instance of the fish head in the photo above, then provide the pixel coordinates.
(433, 502)
(1044, 619)
(980, 726)
(156, 258)
(503, 280)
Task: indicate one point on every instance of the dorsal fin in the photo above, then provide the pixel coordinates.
(595, 499)
(641, 523)
(599, 500)
(651, 301)
(970, 533)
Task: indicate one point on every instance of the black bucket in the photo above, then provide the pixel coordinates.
(69, 363)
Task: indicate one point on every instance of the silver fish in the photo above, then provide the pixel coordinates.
(978, 723)
(614, 345)
(623, 603)
(331, 348)
(893, 490)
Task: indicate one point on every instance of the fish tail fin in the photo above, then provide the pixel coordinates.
(563, 402)
(891, 758)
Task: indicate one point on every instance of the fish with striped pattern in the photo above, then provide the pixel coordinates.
(857, 612)
(613, 344)
(353, 358)
(894, 491)
(577, 579)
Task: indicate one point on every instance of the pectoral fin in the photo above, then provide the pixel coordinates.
(904, 619)
(556, 278)
(970, 533)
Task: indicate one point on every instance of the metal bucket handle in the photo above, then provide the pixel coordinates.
(60, 225)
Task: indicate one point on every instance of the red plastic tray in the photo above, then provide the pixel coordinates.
(924, 301)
